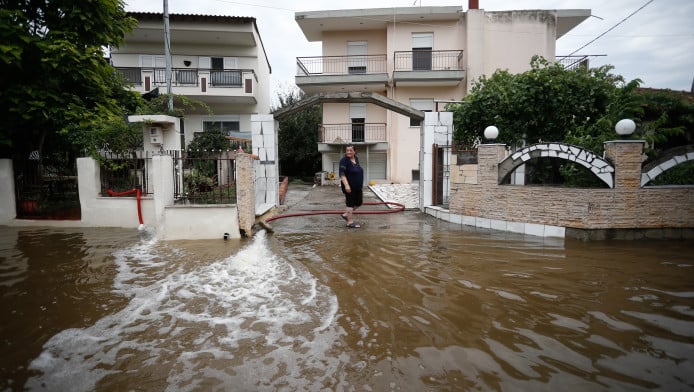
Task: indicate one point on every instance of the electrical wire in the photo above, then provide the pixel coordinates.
(612, 28)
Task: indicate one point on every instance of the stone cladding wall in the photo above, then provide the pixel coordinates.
(626, 206)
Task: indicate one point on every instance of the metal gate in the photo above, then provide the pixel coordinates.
(441, 156)
(46, 188)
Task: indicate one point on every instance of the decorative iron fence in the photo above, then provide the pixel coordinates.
(122, 172)
(46, 187)
(204, 177)
(199, 177)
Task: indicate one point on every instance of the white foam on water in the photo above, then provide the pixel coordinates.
(240, 322)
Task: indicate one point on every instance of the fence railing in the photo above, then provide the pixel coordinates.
(352, 133)
(199, 177)
(123, 171)
(428, 60)
(341, 65)
(204, 177)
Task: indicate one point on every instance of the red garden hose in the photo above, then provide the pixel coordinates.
(400, 208)
(136, 191)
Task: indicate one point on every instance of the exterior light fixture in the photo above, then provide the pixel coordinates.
(625, 127)
(491, 133)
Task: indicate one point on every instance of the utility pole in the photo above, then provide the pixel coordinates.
(167, 53)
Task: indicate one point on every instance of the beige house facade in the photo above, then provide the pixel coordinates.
(218, 60)
(424, 57)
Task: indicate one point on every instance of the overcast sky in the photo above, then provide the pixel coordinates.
(655, 45)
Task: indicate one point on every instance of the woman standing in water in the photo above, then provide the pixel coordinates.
(351, 179)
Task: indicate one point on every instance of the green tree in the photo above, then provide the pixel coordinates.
(543, 104)
(55, 79)
(298, 137)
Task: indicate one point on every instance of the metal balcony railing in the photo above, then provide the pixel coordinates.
(352, 133)
(341, 65)
(574, 62)
(132, 74)
(187, 76)
(428, 60)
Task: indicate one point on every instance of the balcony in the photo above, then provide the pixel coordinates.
(355, 133)
(233, 85)
(333, 73)
(578, 61)
(428, 67)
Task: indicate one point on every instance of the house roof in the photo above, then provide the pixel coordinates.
(192, 17)
(314, 23)
(233, 36)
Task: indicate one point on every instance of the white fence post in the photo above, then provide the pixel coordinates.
(8, 202)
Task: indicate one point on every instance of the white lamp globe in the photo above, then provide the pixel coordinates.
(625, 127)
(491, 132)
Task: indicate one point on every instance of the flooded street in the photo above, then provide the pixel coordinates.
(405, 303)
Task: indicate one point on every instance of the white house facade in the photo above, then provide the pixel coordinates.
(218, 60)
(423, 57)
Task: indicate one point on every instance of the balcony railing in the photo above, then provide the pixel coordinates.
(352, 133)
(187, 76)
(341, 65)
(428, 60)
(574, 62)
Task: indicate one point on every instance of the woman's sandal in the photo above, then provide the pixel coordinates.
(353, 225)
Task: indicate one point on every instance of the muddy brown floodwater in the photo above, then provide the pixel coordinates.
(405, 303)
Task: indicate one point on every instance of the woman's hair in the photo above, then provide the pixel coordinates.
(350, 145)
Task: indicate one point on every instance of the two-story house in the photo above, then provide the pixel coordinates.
(218, 60)
(424, 57)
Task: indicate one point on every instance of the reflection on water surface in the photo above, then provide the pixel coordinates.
(405, 303)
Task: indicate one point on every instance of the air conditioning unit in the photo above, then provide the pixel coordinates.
(155, 135)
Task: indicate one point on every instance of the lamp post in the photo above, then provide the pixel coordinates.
(491, 133)
(625, 127)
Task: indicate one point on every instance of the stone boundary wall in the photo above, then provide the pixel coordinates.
(627, 206)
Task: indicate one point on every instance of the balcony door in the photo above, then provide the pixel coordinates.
(158, 66)
(356, 60)
(422, 45)
(357, 115)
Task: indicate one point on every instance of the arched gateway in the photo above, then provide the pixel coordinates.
(603, 169)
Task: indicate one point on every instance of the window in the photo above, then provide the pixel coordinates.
(425, 105)
(356, 52)
(357, 116)
(422, 45)
(225, 127)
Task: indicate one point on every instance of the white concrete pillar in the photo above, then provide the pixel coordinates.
(264, 138)
(163, 186)
(436, 129)
(89, 188)
(8, 202)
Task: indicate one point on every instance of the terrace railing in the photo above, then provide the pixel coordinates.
(352, 133)
(428, 60)
(341, 65)
(574, 62)
(187, 76)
